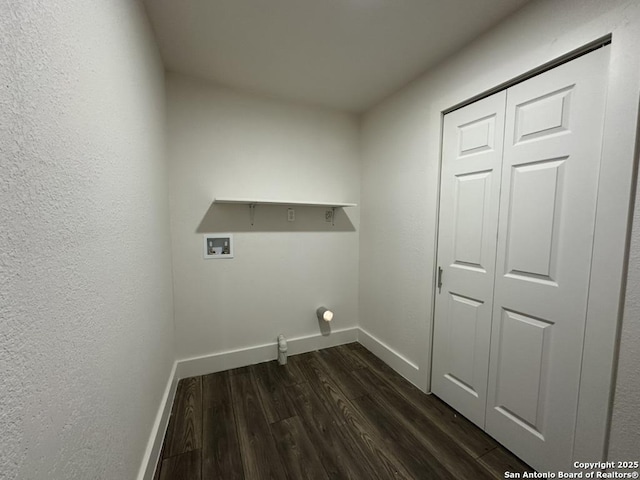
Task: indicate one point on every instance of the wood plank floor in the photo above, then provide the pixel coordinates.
(338, 413)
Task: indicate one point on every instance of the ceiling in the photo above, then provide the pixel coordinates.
(342, 54)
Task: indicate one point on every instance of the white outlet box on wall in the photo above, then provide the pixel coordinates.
(219, 245)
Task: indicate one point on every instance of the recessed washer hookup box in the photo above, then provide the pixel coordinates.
(219, 245)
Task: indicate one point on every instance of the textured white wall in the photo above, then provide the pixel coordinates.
(625, 426)
(400, 144)
(227, 144)
(86, 331)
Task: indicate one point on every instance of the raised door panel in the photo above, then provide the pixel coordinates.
(523, 369)
(464, 316)
(472, 196)
(470, 182)
(477, 136)
(535, 212)
(543, 116)
(547, 217)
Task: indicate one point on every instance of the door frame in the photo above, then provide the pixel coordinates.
(612, 235)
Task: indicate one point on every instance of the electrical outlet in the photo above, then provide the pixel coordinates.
(328, 216)
(291, 215)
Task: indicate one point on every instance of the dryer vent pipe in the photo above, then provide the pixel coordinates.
(324, 314)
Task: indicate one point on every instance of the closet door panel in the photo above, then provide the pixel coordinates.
(535, 209)
(547, 218)
(470, 183)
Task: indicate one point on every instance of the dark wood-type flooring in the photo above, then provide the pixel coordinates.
(332, 414)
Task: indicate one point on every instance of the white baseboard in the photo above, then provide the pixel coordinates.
(154, 445)
(400, 364)
(311, 343)
(218, 362)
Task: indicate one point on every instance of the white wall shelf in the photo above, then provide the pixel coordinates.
(256, 201)
(252, 202)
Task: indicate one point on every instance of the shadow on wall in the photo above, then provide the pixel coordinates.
(272, 218)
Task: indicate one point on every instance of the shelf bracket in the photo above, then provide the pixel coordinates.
(333, 216)
(252, 212)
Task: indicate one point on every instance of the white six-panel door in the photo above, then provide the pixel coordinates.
(547, 199)
(470, 193)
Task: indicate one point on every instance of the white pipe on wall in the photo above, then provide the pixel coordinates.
(282, 350)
